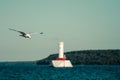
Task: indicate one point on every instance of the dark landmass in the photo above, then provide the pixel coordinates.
(88, 57)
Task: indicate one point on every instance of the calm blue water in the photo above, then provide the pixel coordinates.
(11, 71)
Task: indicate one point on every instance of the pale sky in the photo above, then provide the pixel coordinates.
(80, 24)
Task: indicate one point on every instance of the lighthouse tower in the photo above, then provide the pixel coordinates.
(61, 59)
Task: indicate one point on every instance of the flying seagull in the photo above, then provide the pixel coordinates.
(25, 35)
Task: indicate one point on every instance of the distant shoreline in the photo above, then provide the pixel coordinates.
(88, 57)
(83, 57)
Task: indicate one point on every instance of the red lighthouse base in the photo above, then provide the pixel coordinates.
(60, 58)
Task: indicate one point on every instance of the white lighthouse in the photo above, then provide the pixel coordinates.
(61, 49)
(61, 59)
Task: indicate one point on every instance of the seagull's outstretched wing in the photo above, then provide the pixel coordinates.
(35, 33)
(21, 32)
(41, 33)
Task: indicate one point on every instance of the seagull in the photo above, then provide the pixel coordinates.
(25, 35)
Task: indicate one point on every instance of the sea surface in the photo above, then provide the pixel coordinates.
(31, 71)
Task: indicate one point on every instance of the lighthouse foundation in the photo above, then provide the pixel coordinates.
(61, 63)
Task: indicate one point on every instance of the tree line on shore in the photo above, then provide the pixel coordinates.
(88, 57)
